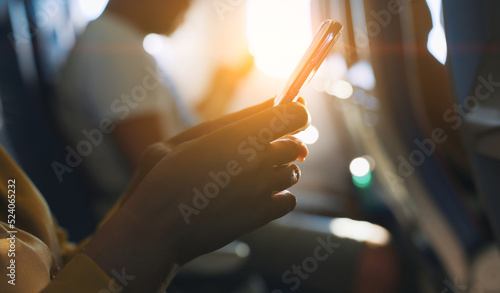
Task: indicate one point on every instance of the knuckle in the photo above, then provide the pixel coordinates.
(156, 150)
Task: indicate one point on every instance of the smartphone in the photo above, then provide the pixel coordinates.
(320, 48)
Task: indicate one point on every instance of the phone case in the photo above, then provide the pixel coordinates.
(320, 48)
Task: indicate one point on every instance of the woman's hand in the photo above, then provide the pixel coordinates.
(157, 151)
(206, 192)
(203, 189)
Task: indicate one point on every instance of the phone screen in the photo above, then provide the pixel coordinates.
(320, 48)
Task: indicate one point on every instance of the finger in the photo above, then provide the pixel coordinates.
(267, 125)
(208, 127)
(302, 101)
(303, 150)
(281, 152)
(280, 178)
(279, 205)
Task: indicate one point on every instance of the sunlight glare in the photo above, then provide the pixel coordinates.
(279, 32)
(337, 66)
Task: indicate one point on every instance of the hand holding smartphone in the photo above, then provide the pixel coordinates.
(320, 48)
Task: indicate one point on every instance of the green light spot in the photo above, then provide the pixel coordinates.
(362, 182)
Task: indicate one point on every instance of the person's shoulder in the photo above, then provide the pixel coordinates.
(108, 47)
(109, 39)
(96, 31)
(111, 28)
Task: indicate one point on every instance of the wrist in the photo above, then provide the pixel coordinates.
(123, 243)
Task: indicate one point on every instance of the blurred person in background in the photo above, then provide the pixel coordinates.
(110, 77)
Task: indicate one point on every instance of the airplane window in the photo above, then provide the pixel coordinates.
(437, 38)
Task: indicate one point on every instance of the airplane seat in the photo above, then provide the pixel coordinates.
(474, 66)
(425, 198)
(55, 37)
(406, 81)
(4, 139)
(394, 77)
(58, 23)
(472, 37)
(35, 142)
(444, 170)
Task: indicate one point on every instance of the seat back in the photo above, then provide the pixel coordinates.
(29, 130)
(473, 39)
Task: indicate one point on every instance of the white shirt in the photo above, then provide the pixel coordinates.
(109, 77)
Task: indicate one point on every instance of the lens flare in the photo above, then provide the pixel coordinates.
(361, 75)
(308, 136)
(361, 172)
(360, 167)
(341, 89)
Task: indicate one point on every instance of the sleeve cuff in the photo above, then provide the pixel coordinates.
(81, 274)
